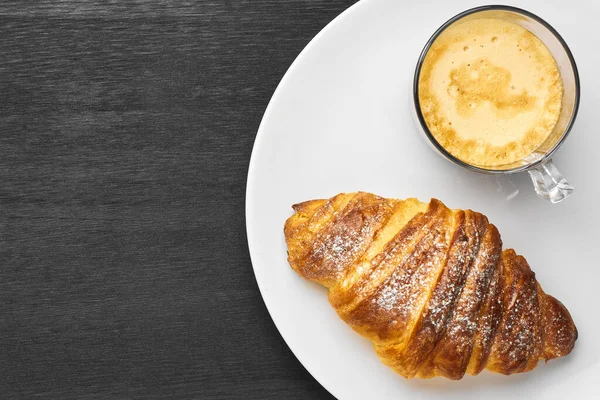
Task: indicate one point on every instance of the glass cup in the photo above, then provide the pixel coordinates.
(549, 184)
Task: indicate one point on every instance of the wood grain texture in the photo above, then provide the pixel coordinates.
(125, 134)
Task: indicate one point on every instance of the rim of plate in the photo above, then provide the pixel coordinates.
(257, 143)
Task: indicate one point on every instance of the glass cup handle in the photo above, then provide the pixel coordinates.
(549, 183)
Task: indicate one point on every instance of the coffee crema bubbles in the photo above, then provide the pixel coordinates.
(490, 91)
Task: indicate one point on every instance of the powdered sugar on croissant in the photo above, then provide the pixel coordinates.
(431, 287)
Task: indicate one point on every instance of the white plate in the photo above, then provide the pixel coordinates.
(339, 122)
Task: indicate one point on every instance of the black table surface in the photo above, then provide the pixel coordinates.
(126, 129)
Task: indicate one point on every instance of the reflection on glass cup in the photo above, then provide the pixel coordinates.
(478, 87)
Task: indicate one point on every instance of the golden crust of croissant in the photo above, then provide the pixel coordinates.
(431, 287)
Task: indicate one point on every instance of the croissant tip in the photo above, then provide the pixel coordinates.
(561, 330)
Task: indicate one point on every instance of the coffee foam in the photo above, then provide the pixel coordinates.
(490, 91)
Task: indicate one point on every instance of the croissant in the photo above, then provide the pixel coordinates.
(431, 287)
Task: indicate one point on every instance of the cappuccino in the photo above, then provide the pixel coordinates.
(490, 91)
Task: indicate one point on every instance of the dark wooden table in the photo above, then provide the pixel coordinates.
(125, 136)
